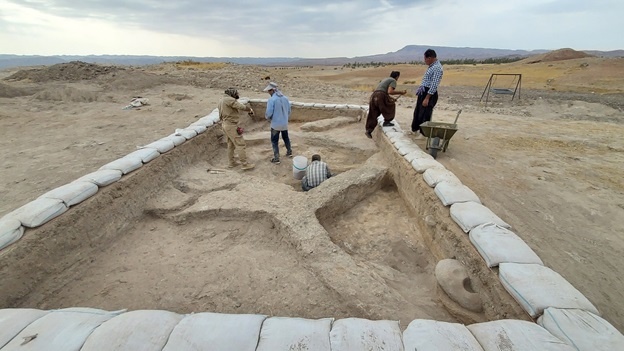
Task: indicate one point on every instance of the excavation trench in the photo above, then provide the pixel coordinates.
(175, 236)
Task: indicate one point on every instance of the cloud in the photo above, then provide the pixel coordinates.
(302, 28)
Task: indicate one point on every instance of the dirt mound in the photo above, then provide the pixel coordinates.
(137, 81)
(71, 71)
(67, 94)
(8, 91)
(558, 55)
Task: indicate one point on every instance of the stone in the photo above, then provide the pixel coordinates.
(453, 278)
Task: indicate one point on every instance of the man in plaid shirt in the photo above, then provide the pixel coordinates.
(427, 92)
(316, 173)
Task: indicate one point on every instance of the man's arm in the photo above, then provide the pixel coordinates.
(241, 107)
(393, 91)
(269, 109)
(328, 172)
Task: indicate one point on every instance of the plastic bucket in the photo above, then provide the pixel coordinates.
(300, 164)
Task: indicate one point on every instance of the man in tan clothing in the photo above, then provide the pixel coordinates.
(229, 112)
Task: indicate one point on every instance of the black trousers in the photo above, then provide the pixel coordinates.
(423, 114)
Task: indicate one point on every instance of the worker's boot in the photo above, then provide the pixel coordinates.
(247, 166)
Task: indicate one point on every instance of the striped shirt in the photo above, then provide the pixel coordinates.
(432, 77)
(316, 173)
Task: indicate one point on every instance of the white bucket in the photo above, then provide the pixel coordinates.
(300, 164)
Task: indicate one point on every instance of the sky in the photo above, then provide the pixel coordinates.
(302, 28)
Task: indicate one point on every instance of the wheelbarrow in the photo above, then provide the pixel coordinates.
(438, 135)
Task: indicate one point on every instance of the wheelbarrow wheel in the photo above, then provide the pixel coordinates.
(435, 145)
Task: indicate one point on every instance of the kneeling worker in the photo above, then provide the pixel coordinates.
(316, 173)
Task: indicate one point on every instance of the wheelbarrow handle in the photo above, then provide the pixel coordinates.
(456, 117)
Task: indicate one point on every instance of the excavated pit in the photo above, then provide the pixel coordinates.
(175, 236)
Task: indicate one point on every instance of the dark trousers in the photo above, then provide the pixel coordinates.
(423, 114)
(380, 104)
(275, 139)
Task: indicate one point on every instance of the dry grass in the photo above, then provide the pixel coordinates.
(599, 75)
(205, 66)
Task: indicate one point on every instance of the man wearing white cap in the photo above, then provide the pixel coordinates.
(278, 112)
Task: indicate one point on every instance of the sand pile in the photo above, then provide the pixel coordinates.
(71, 71)
(134, 80)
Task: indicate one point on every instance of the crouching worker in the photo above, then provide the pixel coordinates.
(316, 173)
(229, 113)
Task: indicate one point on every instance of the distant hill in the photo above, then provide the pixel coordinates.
(407, 54)
(557, 55)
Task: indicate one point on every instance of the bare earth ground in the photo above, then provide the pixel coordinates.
(551, 165)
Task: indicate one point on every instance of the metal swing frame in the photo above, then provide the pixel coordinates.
(488, 87)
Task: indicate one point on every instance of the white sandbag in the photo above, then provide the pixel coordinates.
(451, 193)
(308, 104)
(102, 177)
(176, 139)
(354, 107)
(197, 129)
(125, 164)
(420, 165)
(162, 145)
(581, 329)
(137, 330)
(434, 176)
(430, 335)
(59, 330)
(297, 104)
(536, 288)
(516, 335)
(146, 155)
(281, 333)
(214, 117)
(407, 148)
(204, 121)
(497, 245)
(73, 193)
(331, 106)
(355, 334)
(342, 107)
(392, 134)
(38, 212)
(471, 214)
(216, 331)
(400, 140)
(11, 230)
(14, 320)
(186, 133)
(416, 154)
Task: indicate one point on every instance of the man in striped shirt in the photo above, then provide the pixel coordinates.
(427, 92)
(316, 173)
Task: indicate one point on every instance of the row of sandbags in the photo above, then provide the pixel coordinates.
(57, 201)
(88, 329)
(523, 274)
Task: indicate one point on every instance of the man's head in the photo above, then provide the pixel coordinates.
(271, 88)
(232, 92)
(316, 157)
(430, 56)
(395, 75)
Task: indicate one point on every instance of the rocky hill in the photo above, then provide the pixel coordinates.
(406, 54)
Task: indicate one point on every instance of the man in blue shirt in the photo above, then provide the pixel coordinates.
(427, 92)
(278, 112)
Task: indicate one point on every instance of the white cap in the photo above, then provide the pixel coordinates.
(271, 86)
